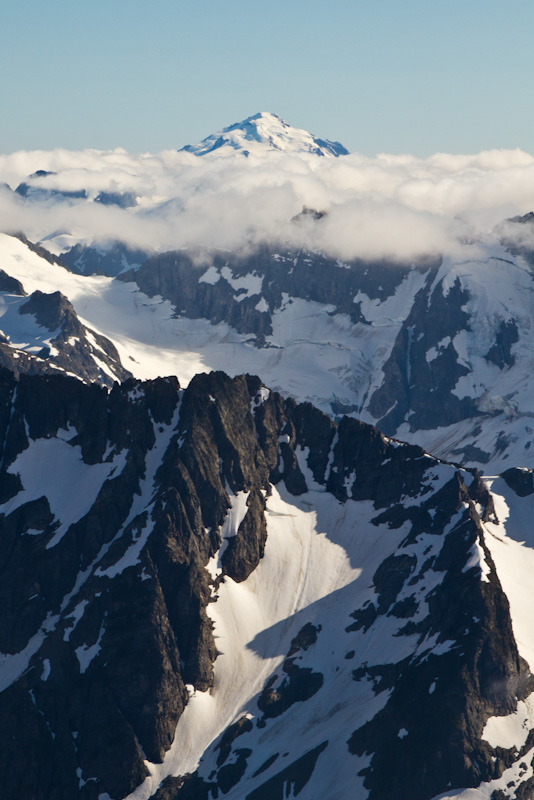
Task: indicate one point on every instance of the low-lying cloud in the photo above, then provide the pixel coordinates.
(397, 207)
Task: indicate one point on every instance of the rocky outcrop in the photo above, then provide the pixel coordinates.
(53, 337)
(520, 480)
(120, 199)
(121, 637)
(480, 660)
(10, 285)
(42, 252)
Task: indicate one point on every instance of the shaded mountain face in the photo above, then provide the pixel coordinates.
(216, 590)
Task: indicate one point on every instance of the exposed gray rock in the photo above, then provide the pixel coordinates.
(520, 480)
(105, 259)
(10, 285)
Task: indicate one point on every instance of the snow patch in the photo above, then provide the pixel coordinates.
(13, 665)
(86, 653)
(55, 469)
(75, 616)
(212, 276)
(512, 730)
(434, 352)
(252, 282)
(234, 518)
(477, 558)
(262, 306)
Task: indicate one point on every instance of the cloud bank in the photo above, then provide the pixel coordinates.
(397, 207)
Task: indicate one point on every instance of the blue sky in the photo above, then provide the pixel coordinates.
(378, 75)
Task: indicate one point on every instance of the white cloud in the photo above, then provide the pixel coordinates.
(394, 206)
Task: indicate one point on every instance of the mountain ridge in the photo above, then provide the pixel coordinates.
(353, 337)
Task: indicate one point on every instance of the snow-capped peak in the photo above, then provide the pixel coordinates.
(261, 133)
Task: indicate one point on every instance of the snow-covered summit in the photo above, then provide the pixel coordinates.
(262, 133)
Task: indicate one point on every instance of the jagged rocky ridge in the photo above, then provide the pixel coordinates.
(321, 597)
(41, 334)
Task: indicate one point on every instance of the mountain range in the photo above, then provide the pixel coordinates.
(315, 582)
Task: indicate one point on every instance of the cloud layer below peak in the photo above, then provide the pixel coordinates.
(389, 206)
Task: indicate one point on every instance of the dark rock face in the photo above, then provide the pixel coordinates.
(230, 735)
(520, 480)
(106, 591)
(34, 191)
(109, 259)
(106, 687)
(120, 646)
(50, 310)
(500, 353)
(10, 285)
(298, 683)
(411, 382)
(221, 295)
(476, 662)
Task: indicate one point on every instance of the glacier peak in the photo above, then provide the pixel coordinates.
(262, 133)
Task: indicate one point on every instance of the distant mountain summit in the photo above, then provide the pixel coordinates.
(262, 133)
